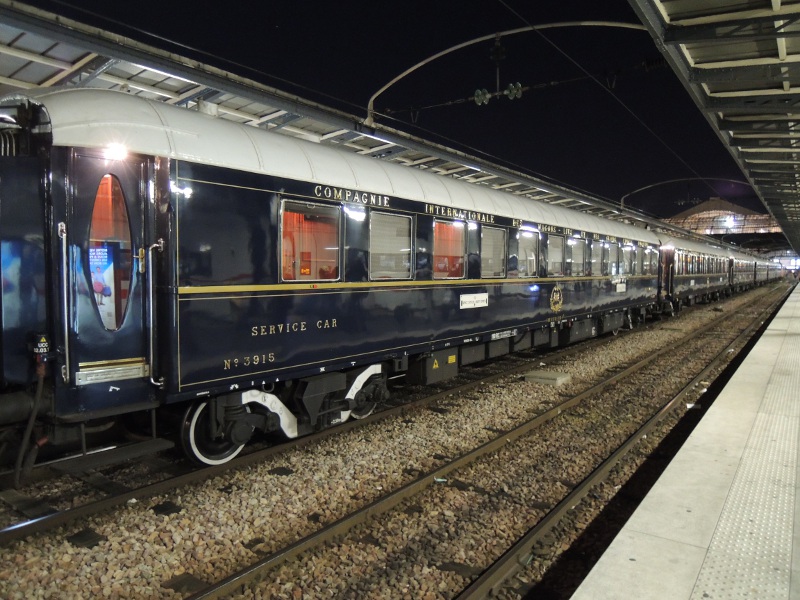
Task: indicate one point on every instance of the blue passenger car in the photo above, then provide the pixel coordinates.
(158, 260)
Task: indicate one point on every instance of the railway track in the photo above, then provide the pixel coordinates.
(60, 492)
(417, 498)
(334, 525)
(493, 579)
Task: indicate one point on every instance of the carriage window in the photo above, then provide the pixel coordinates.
(110, 252)
(310, 242)
(626, 260)
(528, 253)
(597, 258)
(610, 258)
(653, 262)
(493, 252)
(578, 257)
(390, 246)
(645, 255)
(613, 259)
(449, 243)
(642, 267)
(555, 255)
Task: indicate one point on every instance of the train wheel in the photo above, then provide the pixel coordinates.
(198, 445)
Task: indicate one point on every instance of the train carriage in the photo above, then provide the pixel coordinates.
(156, 260)
(692, 272)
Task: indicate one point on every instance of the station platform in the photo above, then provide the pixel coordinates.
(723, 520)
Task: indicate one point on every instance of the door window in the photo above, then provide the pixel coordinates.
(110, 253)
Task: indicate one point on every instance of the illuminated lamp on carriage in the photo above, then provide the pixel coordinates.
(115, 152)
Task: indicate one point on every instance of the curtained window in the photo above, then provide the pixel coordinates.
(641, 252)
(493, 252)
(611, 266)
(528, 253)
(390, 246)
(626, 260)
(449, 245)
(555, 255)
(597, 258)
(578, 260)
(310, 242)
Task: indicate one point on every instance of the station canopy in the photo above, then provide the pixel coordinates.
(740, 62)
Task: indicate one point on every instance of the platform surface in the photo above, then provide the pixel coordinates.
(723, 520)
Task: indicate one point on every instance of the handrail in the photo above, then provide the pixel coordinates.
(150, 302)
(62, 234)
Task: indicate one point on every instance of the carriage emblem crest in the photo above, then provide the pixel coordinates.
(556, 299)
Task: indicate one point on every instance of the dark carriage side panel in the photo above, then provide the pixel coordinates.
(242, 320)
(220, 228)
(23, 305)
(227, 227)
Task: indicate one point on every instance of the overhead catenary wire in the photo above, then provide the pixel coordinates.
(609, 91)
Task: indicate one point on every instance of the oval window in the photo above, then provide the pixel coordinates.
(110, 252)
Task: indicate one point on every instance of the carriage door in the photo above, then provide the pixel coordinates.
(108, 364)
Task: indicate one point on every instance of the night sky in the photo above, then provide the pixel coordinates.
(603, 114)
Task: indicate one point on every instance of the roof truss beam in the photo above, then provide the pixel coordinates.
(776, 104)
(758, 126)
(767, 144)
(774, 72)
(757, 28)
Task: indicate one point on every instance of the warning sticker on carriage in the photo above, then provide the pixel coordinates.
(474, 300)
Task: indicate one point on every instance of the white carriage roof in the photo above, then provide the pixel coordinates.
(693, 246)
(100, 118)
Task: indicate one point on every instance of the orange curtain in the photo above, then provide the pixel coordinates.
(448, 249)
